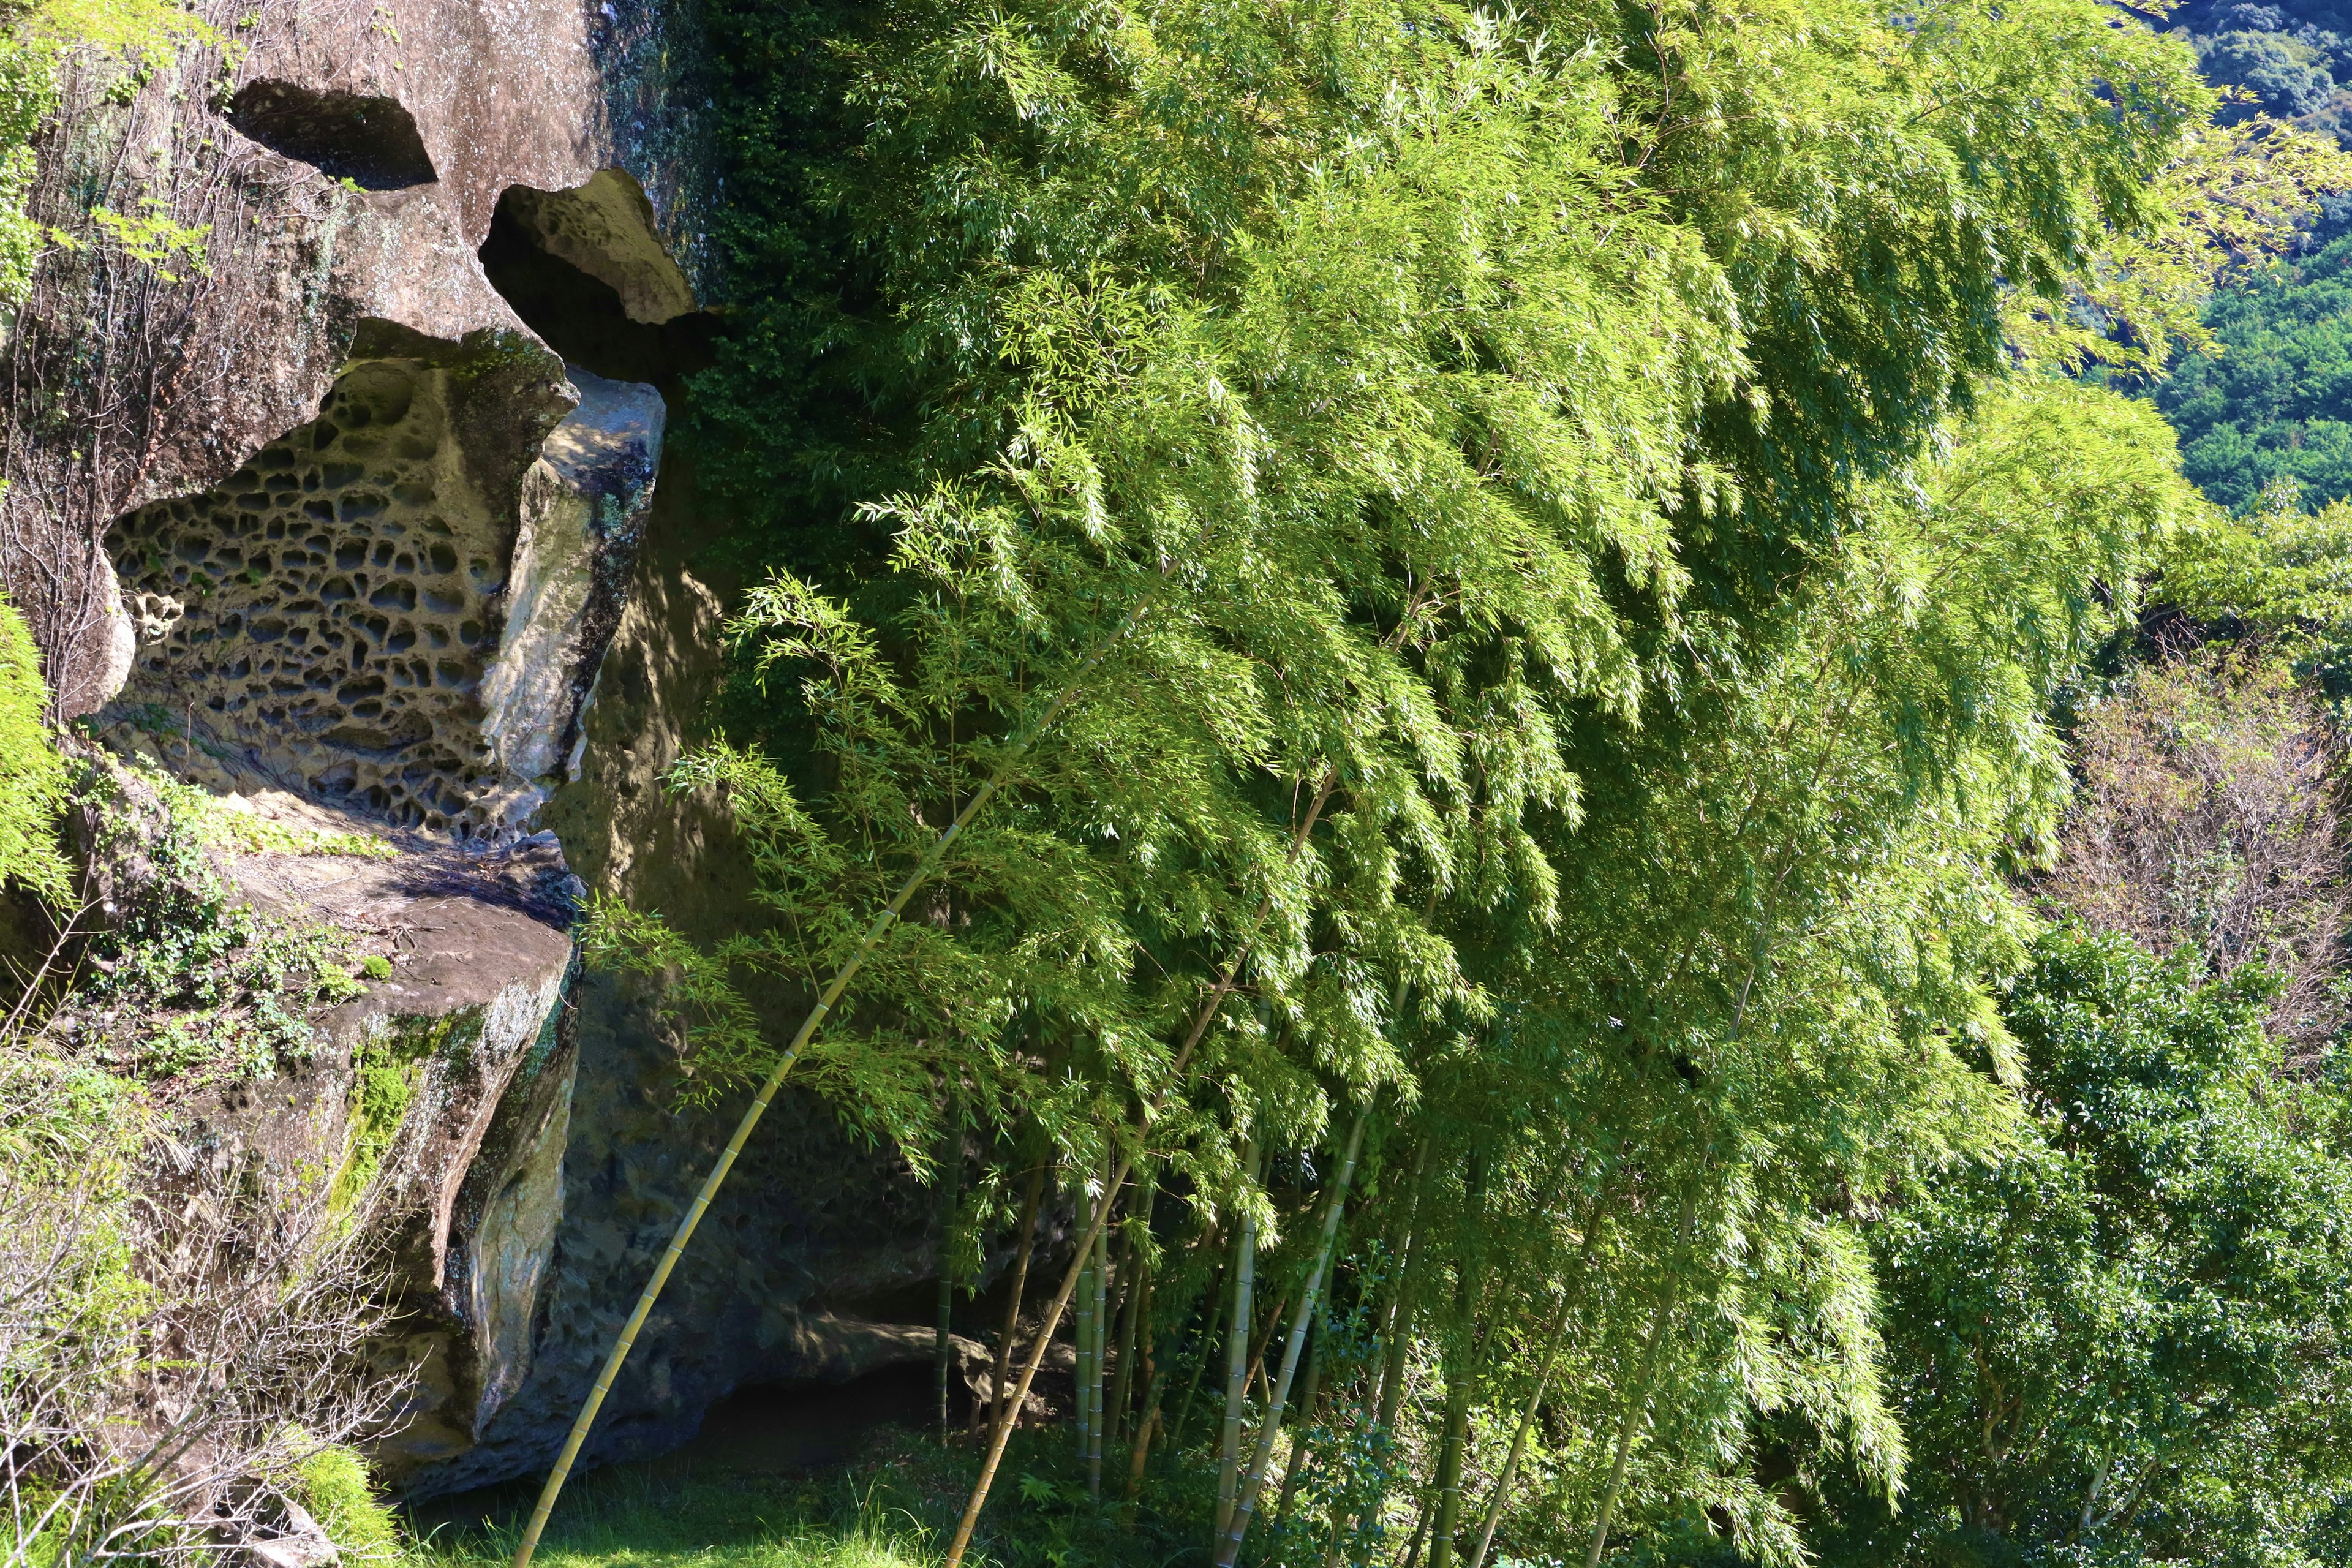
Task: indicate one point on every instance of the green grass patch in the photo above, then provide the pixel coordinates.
(894, 1506)
(643, 1516)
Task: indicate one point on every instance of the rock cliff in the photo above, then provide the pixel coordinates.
(367, 522)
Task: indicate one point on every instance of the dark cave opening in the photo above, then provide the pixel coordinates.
(370, 142)
(584, 317)
(780, 1428)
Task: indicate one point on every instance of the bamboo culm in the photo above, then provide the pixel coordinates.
(1003, 1431)
(1460, 1383)
(1237, 1359)
(1209, 1008)
(1246, 1503)
(1085, 1331)
(1637, 1405)
(1029, 1207)
(951, 1194)
(1135, 1293)
(1400, 1314)
(1596, 1217)
(1100, 1356)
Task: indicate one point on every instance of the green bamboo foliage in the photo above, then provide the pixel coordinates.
(1552, 560)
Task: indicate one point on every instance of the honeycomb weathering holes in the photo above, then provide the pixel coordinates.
(371, 141)
(340, 592)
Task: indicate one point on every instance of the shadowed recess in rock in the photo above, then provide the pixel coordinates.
(370, 142)
(586, 270)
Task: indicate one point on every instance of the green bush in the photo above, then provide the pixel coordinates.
(335, 1490)
(32, 776)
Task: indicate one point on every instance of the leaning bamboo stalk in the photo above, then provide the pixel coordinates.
(1639, 1404)
(1246, 1503)
(1029, 1206)
(1519, 1436)
(826, 999)
(1209, 1008)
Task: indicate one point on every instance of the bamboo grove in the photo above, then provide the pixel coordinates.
(1509, 581)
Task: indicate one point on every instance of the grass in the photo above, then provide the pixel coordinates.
(639, 1517)
(894, 1507)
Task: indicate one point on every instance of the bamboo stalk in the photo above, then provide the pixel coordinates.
(1397, 1320)
(1246, 1503)
(1101, 1356)
(1135, 1279)
(1003, 1432)
(1209, 1008)
(1029, 1206)
(1460, 1383)
(1638, 1404)
(1399, 1316)
(1229, 1445)
(950, 1193)
(1084, 1334)
(1596, 1217)
(826, 999)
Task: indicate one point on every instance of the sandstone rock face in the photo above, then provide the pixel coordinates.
(334, 527)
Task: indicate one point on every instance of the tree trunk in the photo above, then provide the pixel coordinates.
(1460, 1384)
(1638, 1404)
(951, 1192)
(1030, 1204)
(1246, 1503)
(1229, 1447)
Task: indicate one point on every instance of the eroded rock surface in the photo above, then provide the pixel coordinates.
(397, 607)
(384, 558)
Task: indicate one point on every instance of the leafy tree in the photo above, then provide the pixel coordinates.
(2117, 1343)
(2286, 74)
(1501, 580)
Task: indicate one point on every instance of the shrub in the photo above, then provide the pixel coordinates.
(336, 1491)
(32, 776)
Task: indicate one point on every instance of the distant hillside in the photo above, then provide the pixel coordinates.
(2278, 399)
(2295, 58)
